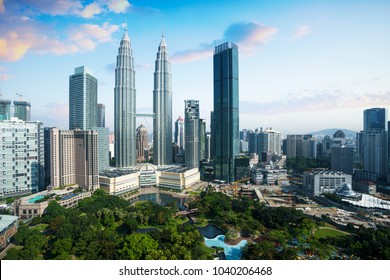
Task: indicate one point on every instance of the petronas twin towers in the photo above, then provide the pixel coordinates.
(125, 106)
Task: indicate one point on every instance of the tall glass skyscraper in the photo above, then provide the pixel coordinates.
(82, 99)
(226, 134)
(5, 109)
(124, 121)
(179, 133)
(375, 142)
(162, 107)
(375, 119)
(101, 115)
(22, 110)
(192, 133)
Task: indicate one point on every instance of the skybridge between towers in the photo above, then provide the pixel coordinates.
(144, 115)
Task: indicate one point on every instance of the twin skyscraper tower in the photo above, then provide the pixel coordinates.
(125, 106)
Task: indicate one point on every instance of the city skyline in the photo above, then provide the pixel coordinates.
(319, 61)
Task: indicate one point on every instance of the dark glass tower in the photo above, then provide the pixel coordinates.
(226, 135)
(124, 121)
(162, 107)
(375, 140)
(192, 133)
(375, 119)
(83, 89)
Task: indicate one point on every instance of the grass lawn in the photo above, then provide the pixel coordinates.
(328, 232)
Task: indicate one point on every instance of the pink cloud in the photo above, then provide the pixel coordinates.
(2, 7)
(35, 37)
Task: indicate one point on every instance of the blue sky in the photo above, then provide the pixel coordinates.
(304, 65)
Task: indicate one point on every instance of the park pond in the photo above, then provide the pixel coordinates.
(232, 252)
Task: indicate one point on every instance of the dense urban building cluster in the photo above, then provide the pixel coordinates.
(40, 164)
(35, 157)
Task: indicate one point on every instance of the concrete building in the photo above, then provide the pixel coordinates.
(125, 105)
(268, 174)
(301, 145)
(320, 182)
(226, 134)
(117, 182)
(177, 178)
(22, 165)
(74, 157)
(8, 227)
(35, 205)
(83, 88)
(142, 143)
(269, 140)
(192, 133)
(162, 107)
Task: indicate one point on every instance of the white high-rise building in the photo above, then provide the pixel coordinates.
(125, 102)
(179, 133)
(22, 163)
(162, 107)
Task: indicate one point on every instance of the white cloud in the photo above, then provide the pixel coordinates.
(301, 31)
(118, 6)
(91, 10)
(249, 36)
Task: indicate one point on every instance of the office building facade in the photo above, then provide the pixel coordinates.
(226, 134)
(125, 105)
(142, 144)
(22, 167)
(101, 115)
(103, 148)
(5, 109)
(192, 133)
(375, 142)
(179, 133)
(162, 107)
(82, 99)
(22, 110)
(74, 158)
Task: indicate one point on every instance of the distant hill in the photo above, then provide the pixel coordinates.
(330, 131)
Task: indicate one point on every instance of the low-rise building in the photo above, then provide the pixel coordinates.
(268, 174)
(178, 178)
(320, 182)
(8, 227)
(119, 181)
(35, 205)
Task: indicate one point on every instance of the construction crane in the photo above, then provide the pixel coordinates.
(235, 185)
